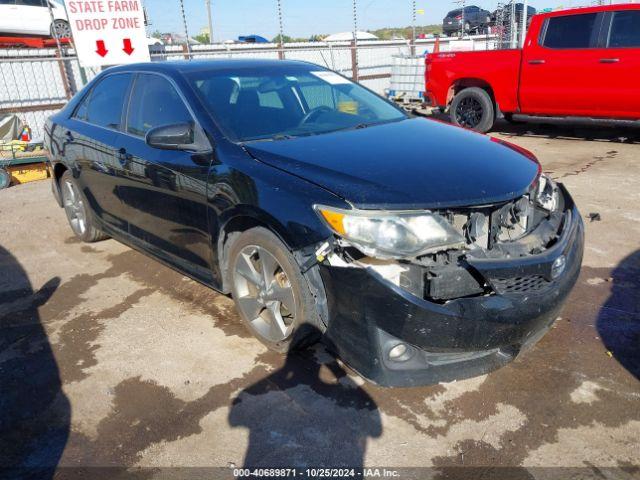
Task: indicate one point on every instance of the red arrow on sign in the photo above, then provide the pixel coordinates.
(100, 48)
(128, 49)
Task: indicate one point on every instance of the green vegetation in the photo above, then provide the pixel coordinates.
(405, 32)
(202, 38)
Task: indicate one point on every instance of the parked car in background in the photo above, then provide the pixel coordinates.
(421, 251)
(472, 19)
(579, 63)
(502, 16)
(32, 17)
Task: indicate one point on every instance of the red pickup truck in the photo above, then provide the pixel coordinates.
(575, 63)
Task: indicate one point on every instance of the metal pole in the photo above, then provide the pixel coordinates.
(208, 3)
(413, 27)
(354, 46)
(281, 30)
(63, 70)
(464, 5)
(514, 25)
(523, 30)
(186, 30)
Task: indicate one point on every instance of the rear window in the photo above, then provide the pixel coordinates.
(571, 31)
(625, 29)
(454, 13)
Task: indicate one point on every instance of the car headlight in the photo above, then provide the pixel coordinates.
(383, 234)
(547, 194)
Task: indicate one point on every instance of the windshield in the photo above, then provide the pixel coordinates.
(278, 103)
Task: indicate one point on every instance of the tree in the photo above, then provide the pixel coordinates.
(285, 39)
(202, 38)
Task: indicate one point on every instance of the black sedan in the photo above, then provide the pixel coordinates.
(418, 251)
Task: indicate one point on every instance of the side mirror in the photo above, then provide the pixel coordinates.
(180, 136)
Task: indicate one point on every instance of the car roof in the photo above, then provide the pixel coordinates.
(185, 66)
(591, 9)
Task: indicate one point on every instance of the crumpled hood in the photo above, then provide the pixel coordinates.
(410, 164)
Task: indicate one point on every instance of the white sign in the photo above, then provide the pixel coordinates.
(331, 77)
(108, 32)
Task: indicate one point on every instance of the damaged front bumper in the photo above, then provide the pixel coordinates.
(370, 316)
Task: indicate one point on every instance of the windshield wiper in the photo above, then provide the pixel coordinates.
(282, 136)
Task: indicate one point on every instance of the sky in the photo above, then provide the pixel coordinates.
(303, 18)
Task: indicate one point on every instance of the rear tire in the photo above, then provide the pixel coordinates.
(271, 293)
(60, 29)
(79, 214)
(473, 108)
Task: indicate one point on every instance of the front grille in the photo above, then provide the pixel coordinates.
(525, 284)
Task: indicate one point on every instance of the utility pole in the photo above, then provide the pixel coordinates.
(186, 30)
(354, 46)
(413, 27)
(208, 3)
(281, 30)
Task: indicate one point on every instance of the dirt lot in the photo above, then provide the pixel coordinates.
(107, 358)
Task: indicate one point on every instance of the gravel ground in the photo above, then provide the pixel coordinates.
(109, 359)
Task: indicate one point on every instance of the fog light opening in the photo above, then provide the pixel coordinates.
(400, 352)
(558, 266)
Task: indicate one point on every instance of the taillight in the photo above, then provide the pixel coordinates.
(459, 17)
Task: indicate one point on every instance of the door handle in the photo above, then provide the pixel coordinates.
(537, 62)
(609, 60)
(123, 157)
(69, 136)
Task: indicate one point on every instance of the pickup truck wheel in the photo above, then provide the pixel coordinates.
(472, 108)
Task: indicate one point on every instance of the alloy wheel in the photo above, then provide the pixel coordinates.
(61, 29)
(469, 112)
(265, 294)
(74, 207)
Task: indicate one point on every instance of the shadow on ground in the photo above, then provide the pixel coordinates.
(286, 415)
(619, 317)
(34, 412)
(564, 131)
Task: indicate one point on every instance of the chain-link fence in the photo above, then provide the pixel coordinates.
(36, 83)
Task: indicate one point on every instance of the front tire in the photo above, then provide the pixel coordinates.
(78, 213)
(271, 293)
(473, 108)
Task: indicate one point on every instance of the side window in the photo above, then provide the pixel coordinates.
(625, 29)
(81, 110)
(571, 31)
(7, 2)
(103, 106)
(154, 103)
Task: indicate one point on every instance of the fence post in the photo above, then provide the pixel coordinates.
(354, 61)
(63, 74)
